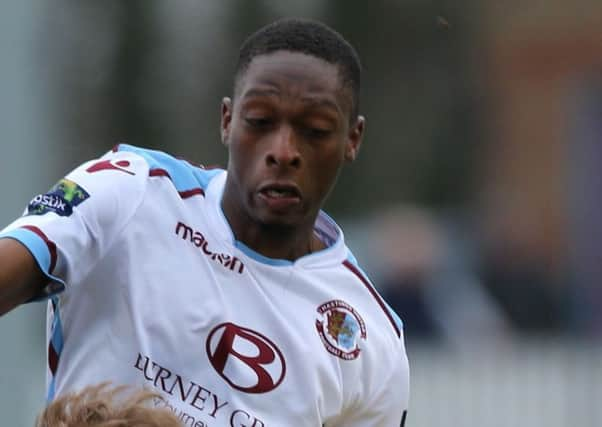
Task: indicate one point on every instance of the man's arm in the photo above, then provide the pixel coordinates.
(20, 277)
(64, 232)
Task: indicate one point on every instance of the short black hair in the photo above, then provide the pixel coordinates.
(308, 37)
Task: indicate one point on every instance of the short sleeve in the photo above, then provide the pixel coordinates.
(72, 226)
(386, 390)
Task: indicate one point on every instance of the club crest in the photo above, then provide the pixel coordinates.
(340, 328)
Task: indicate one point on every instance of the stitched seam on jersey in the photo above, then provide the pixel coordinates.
(160, 165)
(374, 294)
(55, 283)
(55, 347)
(351, 258)
(185, 194)
(49, 244)
(134, 211)
(126, 222)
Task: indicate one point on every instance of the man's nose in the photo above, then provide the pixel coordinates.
(284, 150)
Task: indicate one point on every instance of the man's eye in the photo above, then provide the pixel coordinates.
(258, 122)
(316, 133)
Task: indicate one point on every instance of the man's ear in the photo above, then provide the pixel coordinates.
(354, 141)
(226, 119)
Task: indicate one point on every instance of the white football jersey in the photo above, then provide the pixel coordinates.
(149, 287)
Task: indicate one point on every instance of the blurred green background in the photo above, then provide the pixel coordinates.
(474, 206)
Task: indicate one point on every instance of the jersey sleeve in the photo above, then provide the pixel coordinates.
(384, 399)
(72, 226)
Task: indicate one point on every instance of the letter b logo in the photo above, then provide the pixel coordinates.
(246, 359)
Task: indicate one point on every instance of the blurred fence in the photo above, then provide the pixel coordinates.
(523, 383)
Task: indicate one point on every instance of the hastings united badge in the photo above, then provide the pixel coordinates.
(340, 327)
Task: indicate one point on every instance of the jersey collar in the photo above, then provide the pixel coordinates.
(325, 228)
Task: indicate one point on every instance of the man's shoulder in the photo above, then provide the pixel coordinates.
(187, 177)
(373, 301)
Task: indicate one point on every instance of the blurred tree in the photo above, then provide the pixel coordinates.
(153, 74)
(130, 79)
(419, 98)
(98, 76)
(241, 19)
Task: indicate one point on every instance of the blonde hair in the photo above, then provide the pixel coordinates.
(106, 406)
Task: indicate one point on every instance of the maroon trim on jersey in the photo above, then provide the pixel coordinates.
(212, 167)
(189, 193)
(183, 194)
(373, 292)
(159, 172)
(53, 354)
(53, 358)
(49, 243)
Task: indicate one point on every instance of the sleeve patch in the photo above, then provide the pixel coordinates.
(61, 199)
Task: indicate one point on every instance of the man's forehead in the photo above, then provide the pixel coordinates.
(308, 77)
(307, 99)
(294, 64)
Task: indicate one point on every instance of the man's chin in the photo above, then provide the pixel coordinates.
(280, 220)
(285, 217)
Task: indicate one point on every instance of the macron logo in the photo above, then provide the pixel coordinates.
(108, 165)
(198, 240)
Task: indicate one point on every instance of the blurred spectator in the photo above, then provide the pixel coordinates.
(428, 277)
(517, 273)
(106, 406)
(409, 246)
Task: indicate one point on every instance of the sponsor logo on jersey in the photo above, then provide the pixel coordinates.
(104, 165)
(340, 328)
(245, 359)
(198, 239)
(61, 199)
(196, 404)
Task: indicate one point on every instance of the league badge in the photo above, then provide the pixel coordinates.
(61, 199)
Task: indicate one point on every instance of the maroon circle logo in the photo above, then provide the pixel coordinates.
(246, 359)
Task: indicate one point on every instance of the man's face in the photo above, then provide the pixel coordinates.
(288, 132)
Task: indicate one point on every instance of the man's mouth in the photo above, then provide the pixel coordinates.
(280, 190)
(280, 195)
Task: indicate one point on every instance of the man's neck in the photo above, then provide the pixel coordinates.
(279, 242)
(272, 241)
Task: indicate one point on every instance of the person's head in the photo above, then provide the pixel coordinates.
(292, 121)
(106, 406)
(311, 38)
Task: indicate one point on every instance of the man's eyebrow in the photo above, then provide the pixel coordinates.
(261, 93)
(323, 102)
(308, 100)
